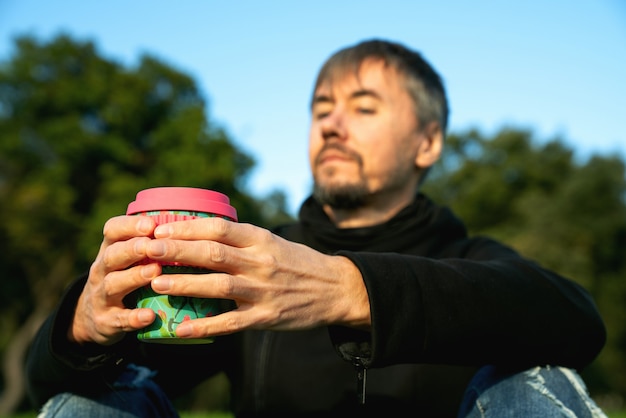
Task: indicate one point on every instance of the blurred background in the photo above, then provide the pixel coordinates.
(99, 100)
(557, 67)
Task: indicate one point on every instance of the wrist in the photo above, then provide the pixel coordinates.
(354, 297)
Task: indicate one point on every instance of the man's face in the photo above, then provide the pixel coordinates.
(364, 137)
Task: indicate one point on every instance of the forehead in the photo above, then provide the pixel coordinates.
(370, 75)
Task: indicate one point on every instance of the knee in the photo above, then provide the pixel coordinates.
(540, 391)
(65, 405)
(133, 394)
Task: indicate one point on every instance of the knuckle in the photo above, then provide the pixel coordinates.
(108, 287)
(106, 229)
(267, 236)
(221, 227)
(102, 323)
(268, 261)
(106, 258)
(94, 268)
(119, 321)
(227, 286)
(216, 252)
(232, 324)
(271, 317)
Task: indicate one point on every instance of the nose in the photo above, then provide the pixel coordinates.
(333, 125)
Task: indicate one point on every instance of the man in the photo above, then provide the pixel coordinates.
(373, 277)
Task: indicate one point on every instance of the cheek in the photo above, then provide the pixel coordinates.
(376, 167)
(315, 144)
(386, 158)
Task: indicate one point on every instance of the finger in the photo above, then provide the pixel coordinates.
(222, 324)
(120, 247)
(121, 228)
(208, 254)
(140, 318)
(210, 285)
(118, 284)
(121, 255)
(213, 229)
(118, 321)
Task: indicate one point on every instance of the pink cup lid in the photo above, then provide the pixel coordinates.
(182, 198)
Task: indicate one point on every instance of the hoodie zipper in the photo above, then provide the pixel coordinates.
(361, 380)
(259, 377)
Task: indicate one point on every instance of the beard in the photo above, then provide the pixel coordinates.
(347, 196)
(358, 193)
(342, 196)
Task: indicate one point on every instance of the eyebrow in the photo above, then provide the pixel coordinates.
(322, 98)
(365, 93)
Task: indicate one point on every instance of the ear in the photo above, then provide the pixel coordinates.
(430, 146)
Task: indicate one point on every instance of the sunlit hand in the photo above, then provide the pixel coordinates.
(276, 284)
(100, 315)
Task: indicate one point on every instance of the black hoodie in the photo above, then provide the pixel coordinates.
(442, 305)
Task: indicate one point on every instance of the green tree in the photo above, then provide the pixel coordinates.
(568, 215)
(79, 136)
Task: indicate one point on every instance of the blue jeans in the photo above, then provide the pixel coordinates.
(542, 392)
(538, 392)
(134, 395)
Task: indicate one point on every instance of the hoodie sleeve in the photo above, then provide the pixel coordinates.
(54, 365)
(481, 304)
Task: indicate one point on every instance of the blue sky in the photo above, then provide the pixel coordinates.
(557, 67)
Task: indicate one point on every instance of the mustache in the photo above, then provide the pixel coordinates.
(337, 146)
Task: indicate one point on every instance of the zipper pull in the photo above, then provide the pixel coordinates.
(361, 380)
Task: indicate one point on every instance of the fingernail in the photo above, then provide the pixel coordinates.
(149, 271)
(183, 330)
(140, 247)
(163, 231)
(144, 225)
(161, 284)
(145, 316)
(157, 248)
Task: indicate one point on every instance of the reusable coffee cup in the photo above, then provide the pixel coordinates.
(169, 204)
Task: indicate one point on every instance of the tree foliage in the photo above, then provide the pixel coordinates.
(80, 135)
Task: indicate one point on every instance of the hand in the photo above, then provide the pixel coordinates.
(100, 315)
(276, 284)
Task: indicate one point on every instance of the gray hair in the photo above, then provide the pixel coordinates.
(422, 82)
